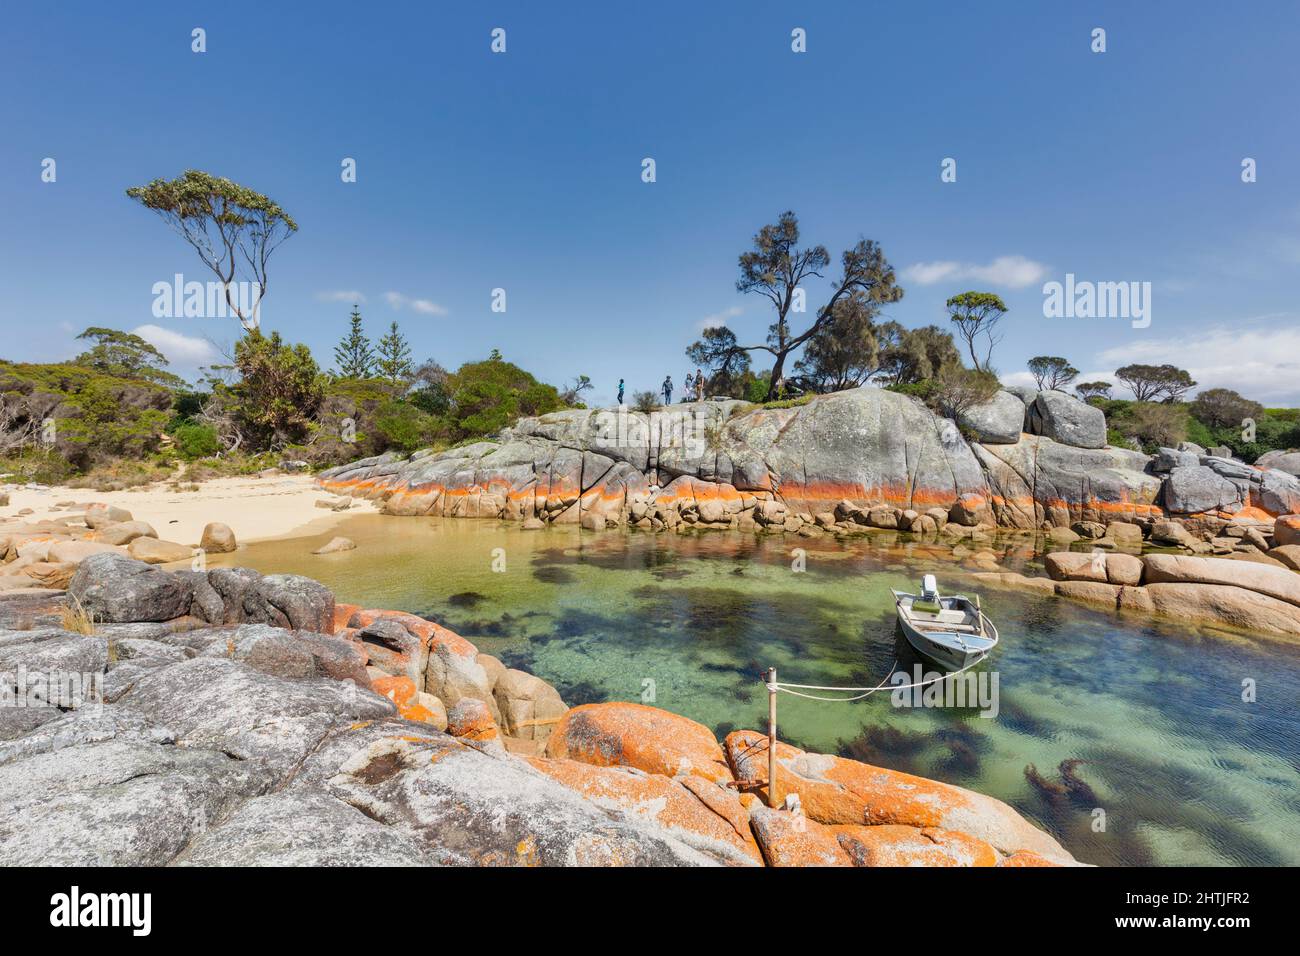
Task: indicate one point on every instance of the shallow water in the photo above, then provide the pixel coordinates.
(1096, 711)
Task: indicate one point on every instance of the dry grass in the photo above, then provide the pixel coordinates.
(76, 618)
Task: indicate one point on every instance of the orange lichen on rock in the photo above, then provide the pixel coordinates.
(402, 692)
(342, 614)
(833, 790)
(789, 839)
(705, 810)
(471, 720)
(891, 845)
(1026, 858)
(634, 735)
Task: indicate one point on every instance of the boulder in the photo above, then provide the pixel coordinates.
(889, 845)
(1286, 530)
(298, 602)
(217, 538)
(789, 839)
(465, 807)
(699, 812)
(124, 532)
(1288, 461)
(999, 421)
(969, 510)
(1279, 583)
(49, 574)
(471, 720)
(74, 552)
(1016, 581)
(153, 551)
(1067, 420)
(1062, 536)
(1090, 592)
(1287, 554)
(112, 587)
(529, 706)
(833, 790)
(634, 735)
(1167, 459)
(1278, 492)
(335, 545)
(1125, 534)
(1167, 531)
(1038, 481)
(100, 515)
(1197, 489)
(1124, 569)
(1075, 566)
(1216, 604)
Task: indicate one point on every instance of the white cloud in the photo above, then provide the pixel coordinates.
(342, 295)
(424, 306)
(1013, 272)
(719, 318)
(179, 349)
(1261, 363)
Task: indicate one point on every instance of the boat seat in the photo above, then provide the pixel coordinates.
(933, 608)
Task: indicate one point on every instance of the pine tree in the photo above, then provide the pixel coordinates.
(353, 355)
(394, 361)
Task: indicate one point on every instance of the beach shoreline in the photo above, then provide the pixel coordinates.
(255, 508)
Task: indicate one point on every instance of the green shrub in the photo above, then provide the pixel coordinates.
(405, 427)
(196, 441)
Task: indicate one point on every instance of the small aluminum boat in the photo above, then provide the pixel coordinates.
(951, 631)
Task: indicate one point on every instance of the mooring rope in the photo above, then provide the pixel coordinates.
(786, 688)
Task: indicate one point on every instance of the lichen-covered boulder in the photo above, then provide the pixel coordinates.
(634, 735)
(702, 813)
(1039, 481)
(1286, 530)
(788, 839)
(891, 845)
(833, 790)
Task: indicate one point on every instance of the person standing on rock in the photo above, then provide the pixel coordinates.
(668, 389)
(620, 391)
(688, 389)
(699, 385)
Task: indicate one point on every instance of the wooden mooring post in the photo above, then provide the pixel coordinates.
(771, 737)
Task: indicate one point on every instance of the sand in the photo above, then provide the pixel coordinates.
(255, 508)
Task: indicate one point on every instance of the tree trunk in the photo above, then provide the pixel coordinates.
(777, 366)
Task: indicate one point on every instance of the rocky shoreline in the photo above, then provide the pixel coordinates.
(1032, 462)
(252, 720)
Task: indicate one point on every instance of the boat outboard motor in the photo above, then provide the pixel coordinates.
(929, 589)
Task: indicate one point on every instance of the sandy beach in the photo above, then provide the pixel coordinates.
(255, 508)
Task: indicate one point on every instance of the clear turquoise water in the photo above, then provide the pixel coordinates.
(1143, 720)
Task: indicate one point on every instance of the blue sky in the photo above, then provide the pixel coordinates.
(522, 171)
